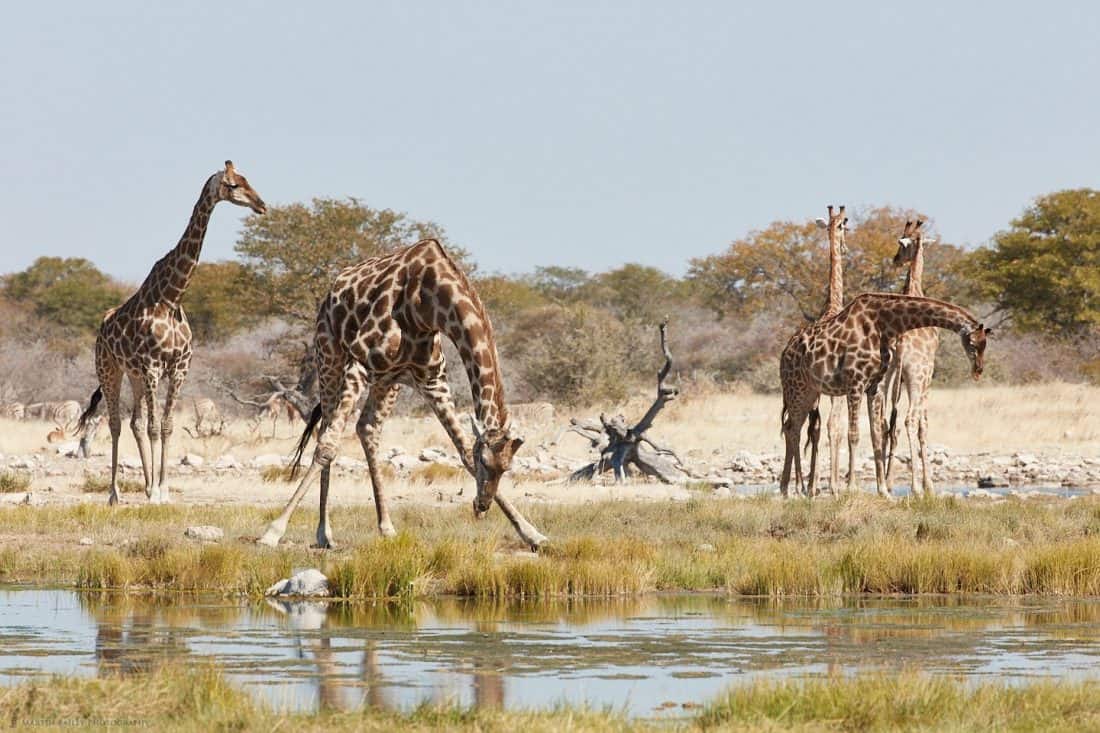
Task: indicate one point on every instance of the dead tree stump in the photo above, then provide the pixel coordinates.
(622, 447)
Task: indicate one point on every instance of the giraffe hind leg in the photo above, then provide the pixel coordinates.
(380, 402)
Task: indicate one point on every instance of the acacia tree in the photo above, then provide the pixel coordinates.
(786, 266)
(1044, 272)
(294, 252)
(69, 293)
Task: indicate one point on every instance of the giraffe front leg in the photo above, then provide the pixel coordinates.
(175, 383)
(834, 446)
(875, 400)
(853, 439)
(153, 426)
(369, 429)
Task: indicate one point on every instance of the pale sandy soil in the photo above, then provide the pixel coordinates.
(1058, 421)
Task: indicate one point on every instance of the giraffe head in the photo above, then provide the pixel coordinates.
(233, 187)
(837, 225)
(493, 451)
(909, 243)
(974, 341)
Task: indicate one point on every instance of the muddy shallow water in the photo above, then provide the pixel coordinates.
(642, 655)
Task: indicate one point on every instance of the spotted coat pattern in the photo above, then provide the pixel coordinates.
(381, 326)
(147, 339)
(848, 354)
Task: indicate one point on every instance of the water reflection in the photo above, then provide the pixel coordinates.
(634, 653)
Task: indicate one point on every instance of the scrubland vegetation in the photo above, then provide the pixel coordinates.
(570, 336)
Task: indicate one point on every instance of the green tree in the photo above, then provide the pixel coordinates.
(1045, 270)
(636, 292)
(66, 292)
(213, 301)
(294, 252)
(786, 266)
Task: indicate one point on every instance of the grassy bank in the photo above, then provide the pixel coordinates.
(751, 547)
(199, 700)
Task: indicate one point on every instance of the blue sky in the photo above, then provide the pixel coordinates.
(577, 133)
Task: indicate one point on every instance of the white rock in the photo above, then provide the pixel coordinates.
(204, 532)
(266, 460)
(432, 455)
(403, 462)
(193, 460)
(226, 462)
(87, 541)
(311, 582)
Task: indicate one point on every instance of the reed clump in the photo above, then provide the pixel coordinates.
(750, 547)
(174, 698)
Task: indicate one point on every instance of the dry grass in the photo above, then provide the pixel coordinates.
(14, 482)
(176, 699)
(751, 547)
(981, 418)
(101, 484)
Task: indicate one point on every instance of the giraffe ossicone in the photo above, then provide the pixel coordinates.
(147, 339)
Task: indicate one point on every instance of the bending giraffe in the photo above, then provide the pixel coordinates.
(848, 355)
(380, 326)
(911, 369)
(147, 339)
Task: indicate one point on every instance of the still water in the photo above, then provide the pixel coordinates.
(640, 655)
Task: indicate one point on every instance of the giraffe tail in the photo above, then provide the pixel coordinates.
(93, 405)
(813, 428)
(314, 418)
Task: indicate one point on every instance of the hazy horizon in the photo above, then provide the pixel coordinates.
(574, 134)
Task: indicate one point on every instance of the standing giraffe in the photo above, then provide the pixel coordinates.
(848, 355)
(837, 225)
(147, 338)
(912, 368)
(380, 326)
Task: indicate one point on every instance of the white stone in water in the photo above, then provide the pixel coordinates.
(310, 582)
(193, 460)
(266, 460)
(204, 532)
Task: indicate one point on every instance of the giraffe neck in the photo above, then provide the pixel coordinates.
(168, 280)
(467, 325)
(896, 314)
(836, 276)
(915, 275)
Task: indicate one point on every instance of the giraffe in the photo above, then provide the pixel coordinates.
(912, 368)
(848, 355)
(147, 338)
(380, 326)
(837, 226)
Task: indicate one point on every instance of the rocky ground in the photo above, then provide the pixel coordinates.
(434, 475)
